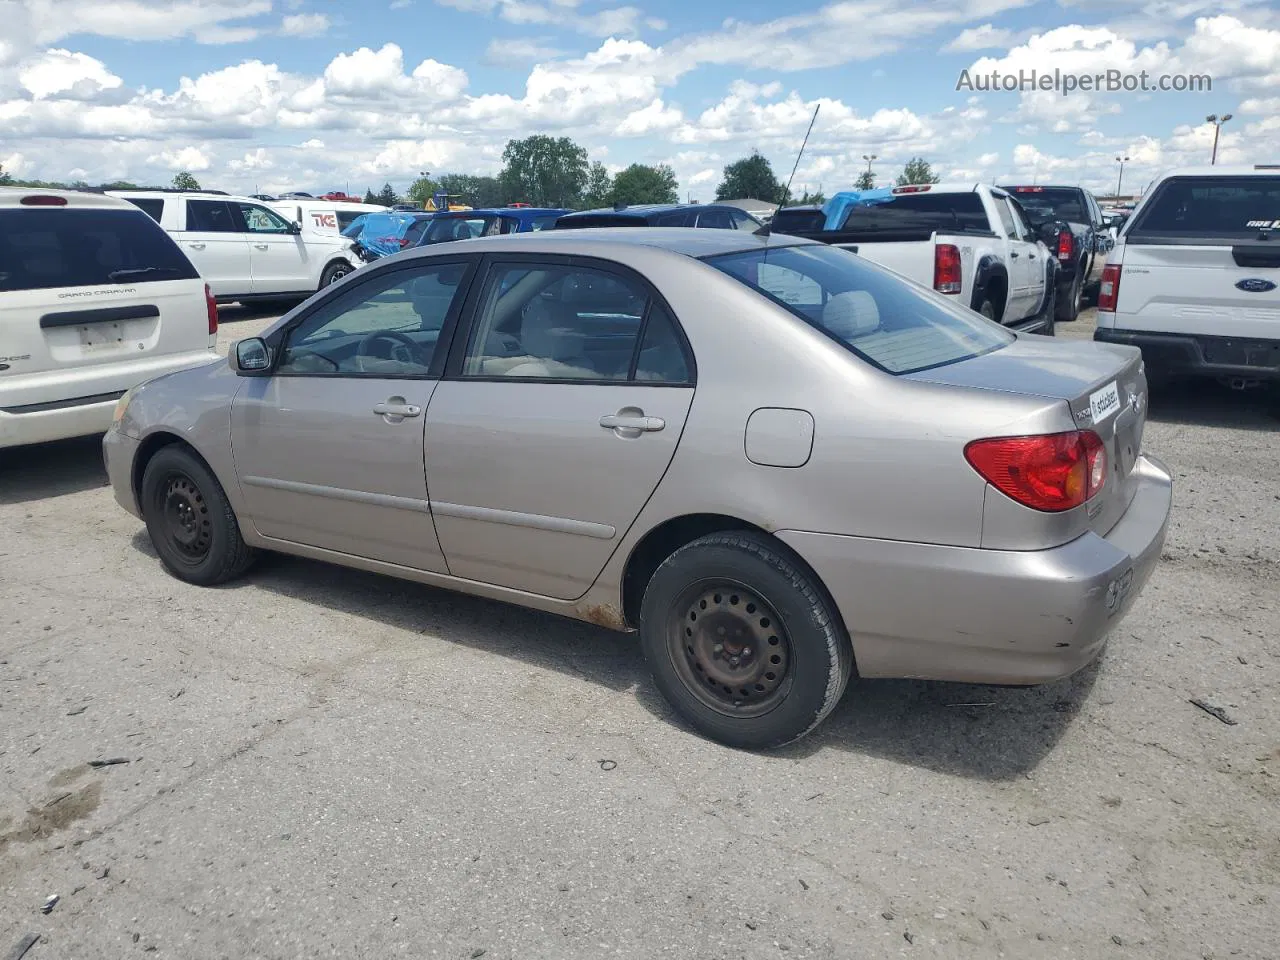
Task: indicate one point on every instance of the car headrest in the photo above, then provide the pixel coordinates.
(541, 334)
(851, 314)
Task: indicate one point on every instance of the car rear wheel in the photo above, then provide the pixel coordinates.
(335, 272)
(742, 642)
(1069, 306)
(190, 520)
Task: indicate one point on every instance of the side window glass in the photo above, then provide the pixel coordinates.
(715, 219)
(744, 222)
(1006, 218)
(678, 219)
(261, 220)
(388, 327)
(1020, 223)
(661, 358)
(211, 216)
(555, 322)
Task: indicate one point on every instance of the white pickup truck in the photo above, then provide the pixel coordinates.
(969, 241)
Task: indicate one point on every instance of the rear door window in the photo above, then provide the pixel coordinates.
(212, 216)
(42, 249)
(715, 220)
(1216, 210)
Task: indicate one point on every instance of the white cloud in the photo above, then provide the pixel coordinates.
(518, 50)
(252, 161)
(142, 19)
(68, 75)
(984, 37)
(654, 118)
(617, 21)
(304, 25)
(186, 158)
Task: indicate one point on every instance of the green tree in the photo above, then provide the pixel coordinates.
(544, 171)
(370, 196)
(640, 183)
(183, 180)
(599, 189)
(866, 181)
(472, 190)
(387, 196)
(751, 178)
(917, 170)
(814, 199)
(422, 190)
(5, 179)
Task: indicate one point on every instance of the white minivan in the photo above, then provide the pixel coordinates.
(94, 299)
(244, 249)
(1194, 279)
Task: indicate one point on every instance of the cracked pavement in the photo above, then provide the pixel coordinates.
(326, 762)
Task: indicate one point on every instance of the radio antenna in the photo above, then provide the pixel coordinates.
(765, 230)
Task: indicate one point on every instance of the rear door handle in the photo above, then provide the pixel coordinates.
(261, 246)
(1014, 254)
(620, 421)
(396, 407)
(196, 246)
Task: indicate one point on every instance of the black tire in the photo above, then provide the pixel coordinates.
(740, 581)
(1068, 309)
(992, 306)
(1049, 313)
(190, 521)
(335, 272)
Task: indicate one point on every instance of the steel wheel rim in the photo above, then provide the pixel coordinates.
(338, 274)
(730, 648)
(185, 517)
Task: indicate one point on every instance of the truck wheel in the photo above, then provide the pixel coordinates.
(742, 642)
(335, 272)
(1069, 306)
(989, 309)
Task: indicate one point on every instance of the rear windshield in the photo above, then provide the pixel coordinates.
(43, 248)
(1049, 203)
(895, 325)
(918, 216)
(1212, 208)
(443, 229)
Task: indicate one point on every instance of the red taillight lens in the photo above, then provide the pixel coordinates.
(1053, 472)
(42, 200)
(1109, 290)
(211, 305)
(1066, 246)
(946, 268)
(914, 188)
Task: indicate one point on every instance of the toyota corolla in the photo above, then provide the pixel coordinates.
(781, 464)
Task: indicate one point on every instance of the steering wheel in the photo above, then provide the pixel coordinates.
(365, 349)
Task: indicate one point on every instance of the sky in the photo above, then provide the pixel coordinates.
(271, 95)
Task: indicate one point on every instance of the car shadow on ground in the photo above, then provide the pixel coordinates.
(991, 733)
(53, 469)
(1208, 403)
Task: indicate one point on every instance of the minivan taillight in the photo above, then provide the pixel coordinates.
(42, 200)
(1052, 472)
(211, 305)
(946, 268)
(1109, 290)
(1066, 246)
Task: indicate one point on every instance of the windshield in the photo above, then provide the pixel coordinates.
(1044, 203)
(895, 325)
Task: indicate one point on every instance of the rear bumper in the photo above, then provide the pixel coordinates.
(1197, 355)
(49, 422)
(990, 616)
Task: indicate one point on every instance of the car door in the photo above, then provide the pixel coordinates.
(277, 254)
(559, 416)
(214, 241)
(328, 448)
(1023, 289)
(1034, 255)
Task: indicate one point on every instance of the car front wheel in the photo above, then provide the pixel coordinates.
(742, 642)
(335, 272)
(190, 520)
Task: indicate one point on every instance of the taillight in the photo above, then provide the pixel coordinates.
(1052, 472)
(946, 268)
(211, 305)
(914, 188)
(1109, 290)
(1066, 246)
(42, 200)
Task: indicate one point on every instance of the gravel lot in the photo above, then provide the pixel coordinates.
(325, 762)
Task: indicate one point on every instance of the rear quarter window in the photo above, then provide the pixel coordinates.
(152, 207)
(47, 248)
(1214, 209)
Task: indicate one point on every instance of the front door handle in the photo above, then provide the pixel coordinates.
(196, 246)
(261, 246)
(1014, 254)
(636, 422)
(396, 407)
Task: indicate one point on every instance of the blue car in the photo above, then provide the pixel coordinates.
(466, 224)
(378, 235)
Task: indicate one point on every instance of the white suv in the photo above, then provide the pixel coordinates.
(1194, 278)
(94, 299)
(243, 248)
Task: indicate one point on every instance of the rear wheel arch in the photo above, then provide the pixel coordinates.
(990, 282)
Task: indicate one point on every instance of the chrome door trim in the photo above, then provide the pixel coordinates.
(581, 528)
(338, 493)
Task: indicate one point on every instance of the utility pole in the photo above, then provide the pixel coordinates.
(1217, 129)
(1120, 178)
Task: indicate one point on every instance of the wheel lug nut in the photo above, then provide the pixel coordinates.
(734, 661)
(746, 651)
(718, 648)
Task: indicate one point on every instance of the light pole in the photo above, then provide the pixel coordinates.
(1217, 129)
(1120, 178)
(869, 158)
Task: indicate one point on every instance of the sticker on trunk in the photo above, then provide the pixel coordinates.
(1105, 402)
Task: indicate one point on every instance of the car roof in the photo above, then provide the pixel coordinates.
(681, 240)
(188, 194)
(12, 197)
(646, 209)
(507, 211)
(1220, 171)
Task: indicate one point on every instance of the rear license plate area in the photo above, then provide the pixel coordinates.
(1242, 353)
(101, 336)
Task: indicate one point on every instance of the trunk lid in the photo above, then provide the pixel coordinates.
(1103, 386)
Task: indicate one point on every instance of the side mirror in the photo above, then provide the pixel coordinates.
(295, 228)
(250, 358)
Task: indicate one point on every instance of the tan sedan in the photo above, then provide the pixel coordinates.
(778, 462)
